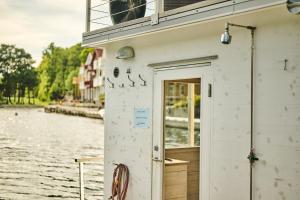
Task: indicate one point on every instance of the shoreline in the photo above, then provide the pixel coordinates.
(20, 106)
(74, 111)
(80, 111)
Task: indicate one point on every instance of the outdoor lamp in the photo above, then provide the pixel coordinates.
(125, 53)
(226, 37)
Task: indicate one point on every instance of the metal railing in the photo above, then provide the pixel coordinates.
(81, 161)
(98, 16)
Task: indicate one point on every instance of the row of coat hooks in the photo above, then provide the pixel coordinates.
(122, 85)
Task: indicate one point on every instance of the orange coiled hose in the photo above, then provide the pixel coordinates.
(120, 182)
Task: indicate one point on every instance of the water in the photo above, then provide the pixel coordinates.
(37, 152)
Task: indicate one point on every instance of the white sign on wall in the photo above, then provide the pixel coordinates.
(141, 118)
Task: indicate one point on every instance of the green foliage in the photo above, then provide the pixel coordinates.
(197, 100)
(84, 53)
(102, 98)
(17, 76)
(184, 103)
(57, 69)
(181, 104)
(69, 82)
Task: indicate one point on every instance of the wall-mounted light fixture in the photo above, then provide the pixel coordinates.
(125, 53)
(226, 37)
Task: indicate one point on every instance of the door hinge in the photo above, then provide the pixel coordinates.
(157, 159)
(209, 90)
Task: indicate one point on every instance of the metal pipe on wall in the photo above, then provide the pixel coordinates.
(226, 39)
(252, 110)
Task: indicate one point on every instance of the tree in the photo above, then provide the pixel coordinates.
(84, 53)
(58, 68)
(15, 65)
(69, 81)
(51, 73)
(31, 81)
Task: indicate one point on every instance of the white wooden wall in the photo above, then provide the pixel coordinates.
(277, 105)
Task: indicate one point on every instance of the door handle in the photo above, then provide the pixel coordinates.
(156, 159)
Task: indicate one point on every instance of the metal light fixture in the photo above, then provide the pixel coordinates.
(226, 37)
(125, 53)
(293, 6)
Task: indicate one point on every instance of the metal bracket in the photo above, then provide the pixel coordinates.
(154, 19)
(252, 157)
(285, 64)
(156, 159)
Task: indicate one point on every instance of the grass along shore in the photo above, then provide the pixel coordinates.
(34, 103)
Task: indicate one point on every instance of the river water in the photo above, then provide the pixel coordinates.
(37, 152)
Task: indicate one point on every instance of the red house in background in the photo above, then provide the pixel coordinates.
(91, 78)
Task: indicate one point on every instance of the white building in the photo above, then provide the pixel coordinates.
(91, 75)
(242, 116)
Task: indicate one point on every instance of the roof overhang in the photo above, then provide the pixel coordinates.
(174, 19)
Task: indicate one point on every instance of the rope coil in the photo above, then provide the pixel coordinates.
(120, 182)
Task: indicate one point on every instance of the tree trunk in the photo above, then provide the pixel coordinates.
(9, 100)
(33, 97)
(22, 97)
(28, 92)
(19, 95)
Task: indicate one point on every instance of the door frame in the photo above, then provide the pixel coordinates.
(204, 72)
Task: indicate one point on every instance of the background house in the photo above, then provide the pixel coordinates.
(91, 78)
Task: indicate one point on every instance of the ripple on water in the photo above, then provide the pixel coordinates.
(37, 152)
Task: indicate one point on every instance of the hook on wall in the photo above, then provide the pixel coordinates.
(285, 64)
(132, 82)
(112, 85)
(144, 81)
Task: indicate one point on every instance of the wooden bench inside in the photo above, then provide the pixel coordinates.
(186, 162)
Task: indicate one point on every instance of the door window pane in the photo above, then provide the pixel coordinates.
(182, 101)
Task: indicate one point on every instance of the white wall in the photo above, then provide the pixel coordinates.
(277, 105)
(277, 132)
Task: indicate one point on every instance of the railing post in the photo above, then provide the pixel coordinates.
(159, 6)
(158, 9)
(81, 161)
(81, 181)
(88, 16)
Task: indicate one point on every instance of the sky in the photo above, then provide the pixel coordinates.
(34, 24)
